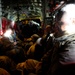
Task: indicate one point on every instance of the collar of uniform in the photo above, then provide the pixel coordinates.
(66, 37)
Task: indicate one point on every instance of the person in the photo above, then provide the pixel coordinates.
(63, 57)
(46, 41)
(4, 72)
(7, 63)
(35, 49)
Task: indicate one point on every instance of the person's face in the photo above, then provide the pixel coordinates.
(65, 23)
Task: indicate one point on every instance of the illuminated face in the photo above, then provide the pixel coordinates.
(66, 24)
